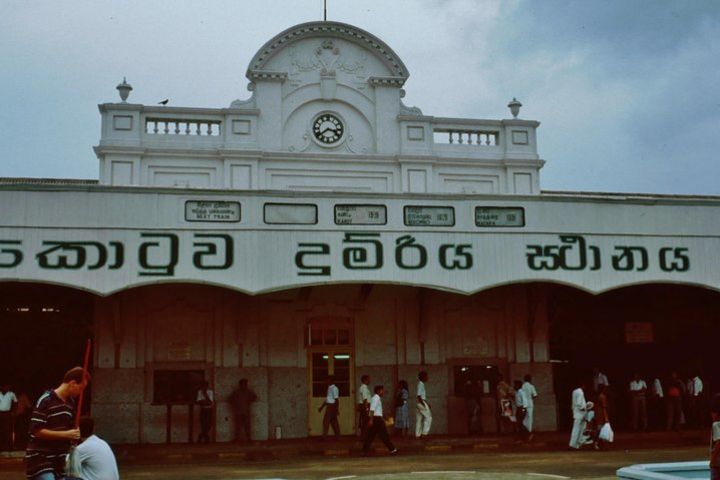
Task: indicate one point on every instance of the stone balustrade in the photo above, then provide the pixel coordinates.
(190, 127)
(466, 137)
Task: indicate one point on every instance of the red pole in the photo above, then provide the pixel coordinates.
(86, 361)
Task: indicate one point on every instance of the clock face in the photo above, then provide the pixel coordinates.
(328, 129)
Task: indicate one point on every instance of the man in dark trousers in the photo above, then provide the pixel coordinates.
(377, 423)
(206, 400)
(332, 408)
(52, 427)
(241, 400)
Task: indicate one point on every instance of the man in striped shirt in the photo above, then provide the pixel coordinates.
(52, 427)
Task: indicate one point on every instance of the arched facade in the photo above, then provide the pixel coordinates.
(322, 226)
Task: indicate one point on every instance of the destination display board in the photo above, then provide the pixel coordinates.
(360, 214)
(499, 216)
(425, 216)
(290, 214)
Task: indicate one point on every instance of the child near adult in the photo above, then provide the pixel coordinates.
(377, 423)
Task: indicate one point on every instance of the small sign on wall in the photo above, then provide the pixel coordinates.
(212, 211)
(639, 332)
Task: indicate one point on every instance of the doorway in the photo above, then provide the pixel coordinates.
(330, 352)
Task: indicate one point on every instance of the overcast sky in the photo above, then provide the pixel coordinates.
(627, 91)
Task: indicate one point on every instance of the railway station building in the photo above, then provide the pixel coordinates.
(319, 226)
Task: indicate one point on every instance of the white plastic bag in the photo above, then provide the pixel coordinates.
(606, 433)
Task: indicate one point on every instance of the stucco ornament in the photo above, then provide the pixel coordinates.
(328, 59)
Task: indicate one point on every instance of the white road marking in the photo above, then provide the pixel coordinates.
(341, 478)
(546, 475)
(443, 471)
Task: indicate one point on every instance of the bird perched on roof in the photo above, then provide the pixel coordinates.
(164, 102)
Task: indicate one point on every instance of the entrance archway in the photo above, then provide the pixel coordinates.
(43, 330)
(647, 329)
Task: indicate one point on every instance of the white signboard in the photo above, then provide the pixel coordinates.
(290, 214)
(360, 215)
(212, 211)
(499, 216)
(429, 216)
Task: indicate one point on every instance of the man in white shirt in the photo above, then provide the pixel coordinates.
(579, 409)
(599, 378)
(520, 410)
(656, 405)
(638, 390)
(423, 415)
(332, 408)
(8, 401)
(377, 423)
(694, 391)
(530, 396)
(93, 459)
(363, 401)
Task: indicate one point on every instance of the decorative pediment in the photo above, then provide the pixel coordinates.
(327, 57)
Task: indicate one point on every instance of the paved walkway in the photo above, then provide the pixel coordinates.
(349, 446)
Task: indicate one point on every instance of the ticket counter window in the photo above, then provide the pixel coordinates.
(481, 377)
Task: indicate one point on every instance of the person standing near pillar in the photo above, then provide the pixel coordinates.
(377, 423)
(332, 409)
(655, 401)
(423, 414)
(695, 390)
(363, 405)
(8, 402)
(638, 390)
(241, 400)
(206, 400)
(530, 396)
(599, 378)
(673, 403)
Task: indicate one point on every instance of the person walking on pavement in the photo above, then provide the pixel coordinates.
(241, 400)
(206, 399)
(363, 405)
(638, 390)
(505, 394)
(8, 402)
(423, 414)
(377, 423)
(530, 396)
(521, 412)
(579, 409)
(332, 409)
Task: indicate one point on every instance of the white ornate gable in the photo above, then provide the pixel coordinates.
(325, 113)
